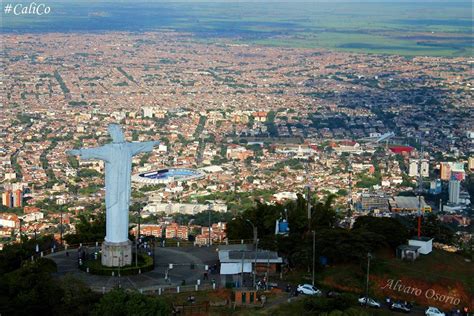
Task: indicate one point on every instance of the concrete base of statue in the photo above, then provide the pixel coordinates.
(116, 254)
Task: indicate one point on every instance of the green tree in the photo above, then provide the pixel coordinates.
(392, 231)
(13, 255)
(432, 227)
(77, 297)
(323, 214)
(88, 173)
(119, 302)
(30, 290)
(90, 228)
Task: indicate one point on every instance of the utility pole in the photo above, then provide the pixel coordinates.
(255, 254)
(242, 270)
(255, 240)
(420, 188)
(268, 271)
(314, 255)
(308, 201)
(139, 222)
(308, 204)
(137, 239)
(21, 242)
(61, 226)
(350, 202)
(120, 265)
(209, 219)
(369, 256)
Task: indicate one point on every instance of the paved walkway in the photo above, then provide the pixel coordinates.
(181, 258)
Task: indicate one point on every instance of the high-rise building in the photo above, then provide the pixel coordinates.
(470, 164)
(7, 198)
(18, 198)
(413, 169)
(425, 168)
(454, 189)
(445, 170)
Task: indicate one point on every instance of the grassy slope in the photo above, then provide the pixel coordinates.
(442, 271)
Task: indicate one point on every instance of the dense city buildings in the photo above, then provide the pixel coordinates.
(162, 158)
(252, 121)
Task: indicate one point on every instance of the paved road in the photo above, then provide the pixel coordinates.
(181, 258)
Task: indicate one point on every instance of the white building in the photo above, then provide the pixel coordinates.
(148, 111)
(9, 220)
(31, 217)
(425, 244)
(235, 259)
(285, 196)
(413, 169)
(454, 189)
(183, 208)
(425, 168)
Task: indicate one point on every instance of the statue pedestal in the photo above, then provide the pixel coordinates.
(116, 254)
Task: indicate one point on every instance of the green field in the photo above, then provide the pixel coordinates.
(420, 28)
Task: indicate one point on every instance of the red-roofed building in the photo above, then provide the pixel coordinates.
(9, 220)
(174, 230)
(148, 230)
(218, 234)
(401, 149)
(260, 116)
(30, 209)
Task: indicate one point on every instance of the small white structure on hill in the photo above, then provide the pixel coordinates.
(425, 244)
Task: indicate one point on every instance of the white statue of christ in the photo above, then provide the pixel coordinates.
(118, 168)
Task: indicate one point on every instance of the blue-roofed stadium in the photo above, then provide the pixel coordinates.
(167, 176)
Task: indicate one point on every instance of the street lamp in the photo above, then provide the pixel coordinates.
(61, 226)
(36, 241)
(209, 207)
(314, 255)
(369, 256)
(308, 204)
(255, 239)
(21, 221)
(137, 238)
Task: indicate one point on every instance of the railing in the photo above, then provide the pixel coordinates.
(166, 243)
(162, 289)
(64, 247)
(157, 289)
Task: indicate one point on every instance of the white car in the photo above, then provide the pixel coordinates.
(433, 311)
(308, 289)
(369, 301)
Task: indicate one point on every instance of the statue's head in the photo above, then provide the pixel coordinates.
(116, 133)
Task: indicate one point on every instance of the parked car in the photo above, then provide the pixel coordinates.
(369, 302)
(308, 289)
(433, 311)
(400, 307)
(455, 312)
(333, 294)
(272, 285)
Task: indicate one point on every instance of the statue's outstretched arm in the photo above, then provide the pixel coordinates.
(137, 148)
(90, 153)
